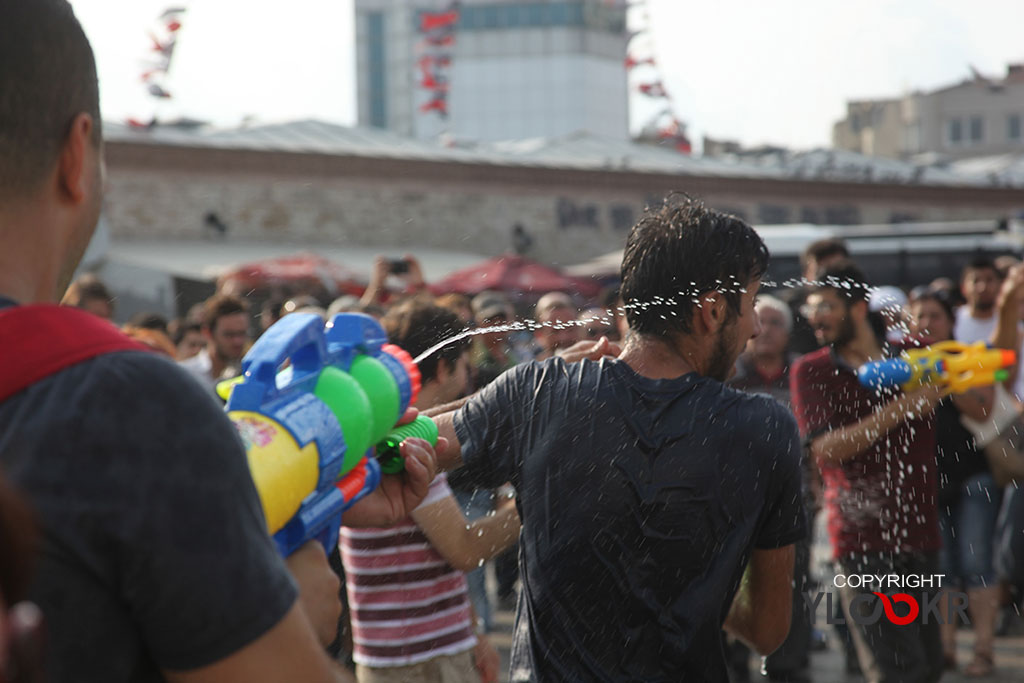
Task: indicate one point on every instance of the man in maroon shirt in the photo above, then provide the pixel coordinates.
(876, 453)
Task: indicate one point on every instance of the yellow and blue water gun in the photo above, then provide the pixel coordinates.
(949, 364)
(313, 402)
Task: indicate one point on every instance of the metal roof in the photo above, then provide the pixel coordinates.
(582, 151)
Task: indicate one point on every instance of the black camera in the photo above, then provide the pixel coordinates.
(398, 266)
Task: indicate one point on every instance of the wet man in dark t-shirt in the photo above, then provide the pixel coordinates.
(645, 485)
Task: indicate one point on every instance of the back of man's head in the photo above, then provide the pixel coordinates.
(89, 293)
(47, 78)
(416, 325)
(677, 252)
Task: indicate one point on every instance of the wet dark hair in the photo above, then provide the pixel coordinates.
(47, 78)
(678, 251)
(416, 325)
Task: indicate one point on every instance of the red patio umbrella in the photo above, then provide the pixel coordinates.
(304, 272)
(513, 274)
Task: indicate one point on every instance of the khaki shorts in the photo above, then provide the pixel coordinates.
(458, 668)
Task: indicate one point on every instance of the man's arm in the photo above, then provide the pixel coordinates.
(450, 457)
(287, 652)
(761, 611)
(1007, 333)
(398, 494)
(466, 545)
(843, 443)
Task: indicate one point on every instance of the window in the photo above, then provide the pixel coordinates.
(377, 69)
(491, 15)
(576, 14)
(559, 14)
(956, 132)
(773, 214)
(514, 17)
(977, 129)
(535, 15)
(1013, 127)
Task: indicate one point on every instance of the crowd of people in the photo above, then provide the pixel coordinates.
(643, 470)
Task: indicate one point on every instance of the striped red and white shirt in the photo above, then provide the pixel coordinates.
(408, 604)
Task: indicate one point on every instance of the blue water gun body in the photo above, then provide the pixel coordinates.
(309, 428)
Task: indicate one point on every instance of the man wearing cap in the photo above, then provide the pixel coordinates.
(491, 354)
(559, 330)
(890, 303)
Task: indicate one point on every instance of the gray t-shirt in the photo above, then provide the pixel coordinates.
(641, 502)
(154, 550)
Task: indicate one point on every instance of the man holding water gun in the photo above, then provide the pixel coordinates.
(155, 563)
(876, 452)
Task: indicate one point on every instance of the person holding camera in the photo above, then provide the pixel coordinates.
(406, 269)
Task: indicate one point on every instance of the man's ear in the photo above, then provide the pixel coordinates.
(711, 311)
(444, 370)
(72, 165)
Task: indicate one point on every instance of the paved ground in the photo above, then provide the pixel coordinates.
(828, 666)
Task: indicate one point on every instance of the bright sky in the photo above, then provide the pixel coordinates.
(759, 72)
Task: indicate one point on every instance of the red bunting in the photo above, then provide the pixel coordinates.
(431, 21)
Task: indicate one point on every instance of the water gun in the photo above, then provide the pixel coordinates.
(951, 364)
(310, 427)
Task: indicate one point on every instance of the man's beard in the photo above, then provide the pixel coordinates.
(723, 357)
(845, 333)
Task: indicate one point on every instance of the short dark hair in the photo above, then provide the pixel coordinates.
(678, 251)
(819, 250)
(47, 78)
(179, 327)
(941, 297)
(87, 287)
(219, 306)
(980, 263)
(417, 324)
(846, 279)
(149, 321)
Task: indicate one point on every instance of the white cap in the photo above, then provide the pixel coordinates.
(886, 298)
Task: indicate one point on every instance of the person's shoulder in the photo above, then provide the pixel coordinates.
(759, 405)
(138, 378)
(141, 366)
(815, 361)
(753, 417)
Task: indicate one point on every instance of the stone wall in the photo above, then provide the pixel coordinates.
(571, 215)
